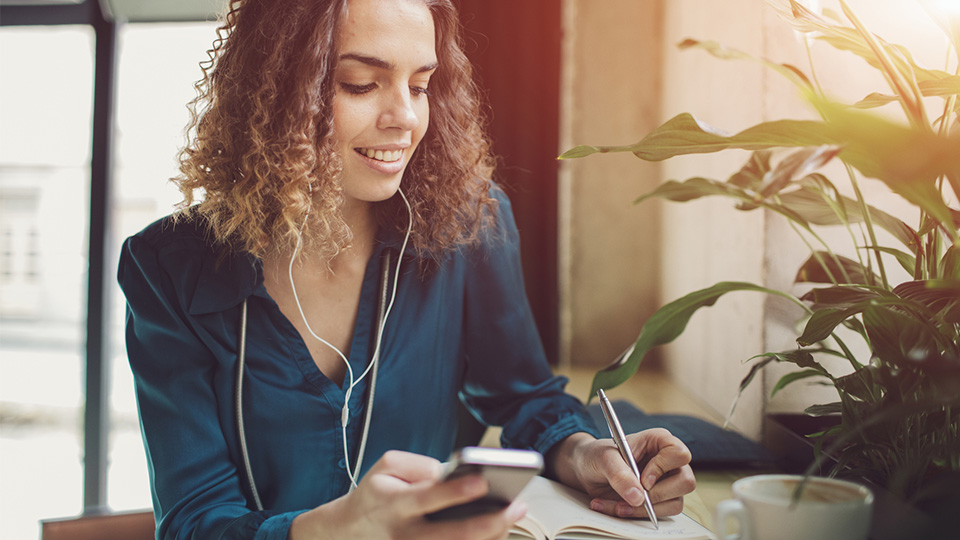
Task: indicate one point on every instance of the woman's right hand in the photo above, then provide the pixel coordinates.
(392, 499)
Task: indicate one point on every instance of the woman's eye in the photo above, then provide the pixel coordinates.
(419, 91)
(357, 89)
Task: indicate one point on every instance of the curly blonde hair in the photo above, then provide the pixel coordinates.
(261, 157)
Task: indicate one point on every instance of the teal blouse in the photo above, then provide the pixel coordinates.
(461, 330)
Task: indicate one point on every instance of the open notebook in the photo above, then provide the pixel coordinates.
(556, 511)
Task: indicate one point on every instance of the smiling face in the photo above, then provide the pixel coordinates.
(385, 58)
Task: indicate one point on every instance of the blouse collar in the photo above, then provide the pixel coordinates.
(225, 282)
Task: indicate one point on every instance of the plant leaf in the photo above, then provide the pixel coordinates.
(823, 410)
(754, 369)
(901, 78)
(908, 160)
(812, 271)
(683, 134)
(751, 175)
(907, 261)
(934, 296)
(929, 293)
(794, 376)
(897, 338)
(839, 296)
(693, 188)
(697, 187)
(949, 266)
(827, 12)
(874, 100)
(666, 324)
(791, 73)
(943, 87)
(846, 38)
(800, 357)
(797, 165)
(808, 202)
(823, 322)
(580, 151)
(861, 384)
(950, 25)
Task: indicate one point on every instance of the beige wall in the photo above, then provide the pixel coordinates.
(623, 77)
(609, 248)
(711, 241)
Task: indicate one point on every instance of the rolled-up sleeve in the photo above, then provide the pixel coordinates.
(196, 487)
(508, 381)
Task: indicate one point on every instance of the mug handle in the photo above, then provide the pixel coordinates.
(731, 508)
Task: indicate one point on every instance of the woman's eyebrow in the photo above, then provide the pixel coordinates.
(381, 64)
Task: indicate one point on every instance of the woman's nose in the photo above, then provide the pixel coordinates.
(398, 111)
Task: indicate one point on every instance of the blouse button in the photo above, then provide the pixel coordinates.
(342, 463)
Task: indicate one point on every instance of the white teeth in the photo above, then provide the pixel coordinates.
(382, 155)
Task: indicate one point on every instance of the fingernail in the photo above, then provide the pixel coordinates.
(649, 481)
(596, 505)
(634, 497)
(624, 510)
(516, 511)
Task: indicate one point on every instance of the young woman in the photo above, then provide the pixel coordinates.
(349, 275)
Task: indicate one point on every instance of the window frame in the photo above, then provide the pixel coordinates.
(96, 423)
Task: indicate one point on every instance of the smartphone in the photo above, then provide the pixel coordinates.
(506, 471)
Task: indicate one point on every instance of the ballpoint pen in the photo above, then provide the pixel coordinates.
(616, 432)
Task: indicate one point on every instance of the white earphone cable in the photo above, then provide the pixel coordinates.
(345, 412)
(396, 277)
(375, 361)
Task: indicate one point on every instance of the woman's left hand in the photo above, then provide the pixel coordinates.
(600, 471)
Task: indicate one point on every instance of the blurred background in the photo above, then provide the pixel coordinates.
(92, 111)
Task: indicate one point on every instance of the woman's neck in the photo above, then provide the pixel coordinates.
(359, 217)
(352, 259)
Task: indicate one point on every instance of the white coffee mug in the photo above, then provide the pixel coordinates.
(828, 509)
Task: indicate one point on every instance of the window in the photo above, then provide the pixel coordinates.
(45, 139)
(45, 111)
(19, 252)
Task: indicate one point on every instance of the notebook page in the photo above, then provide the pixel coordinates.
(565, 512)
(528, 528)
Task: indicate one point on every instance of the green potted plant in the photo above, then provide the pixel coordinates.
(898, 406)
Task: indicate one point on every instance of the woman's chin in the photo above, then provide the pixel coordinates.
(374, 193)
